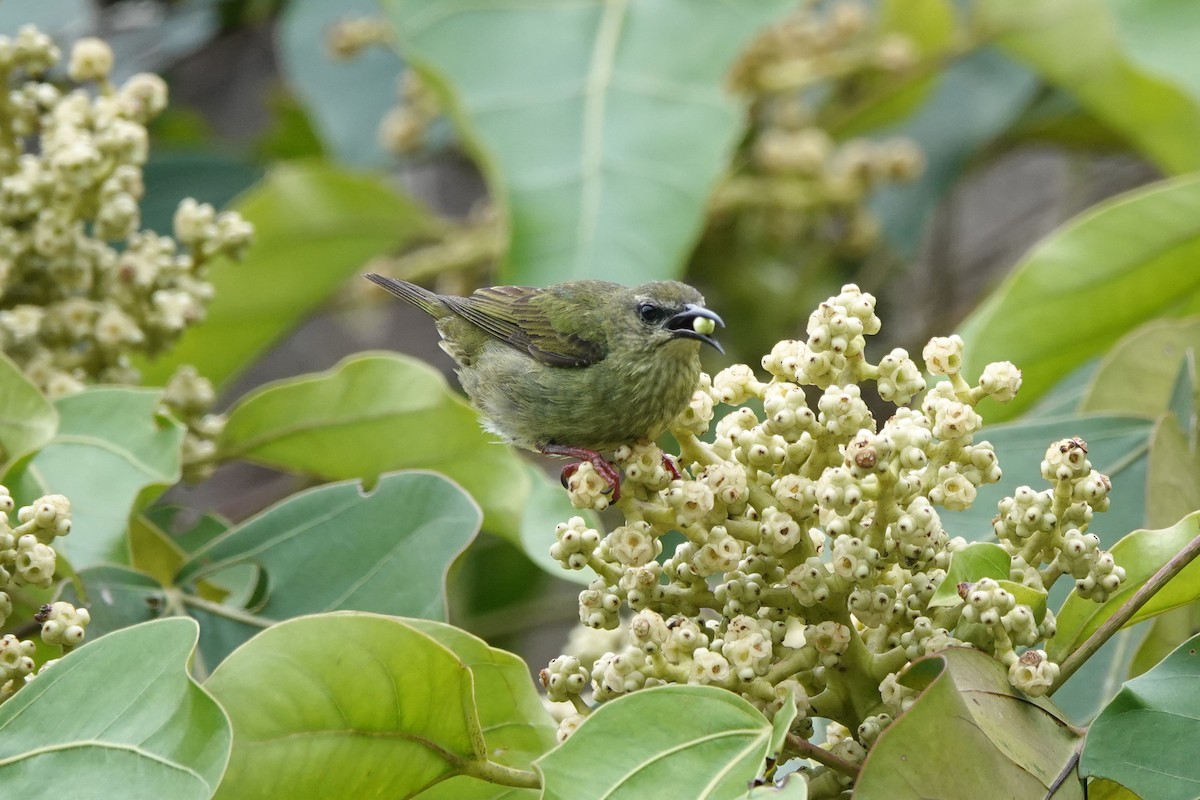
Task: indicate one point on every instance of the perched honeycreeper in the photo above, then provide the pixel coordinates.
(576, 369)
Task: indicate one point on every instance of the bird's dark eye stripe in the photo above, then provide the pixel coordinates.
(651, 313)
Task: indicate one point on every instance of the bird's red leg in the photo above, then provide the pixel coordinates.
(669, 463)
(606, 470)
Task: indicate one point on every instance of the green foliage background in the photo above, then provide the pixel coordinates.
(305, 651)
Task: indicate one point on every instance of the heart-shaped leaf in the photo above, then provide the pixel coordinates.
(968, 714)
(1141, 739)
(338, 547)
(346, 705)
(112, 453)
(699, 741)
(120, 716)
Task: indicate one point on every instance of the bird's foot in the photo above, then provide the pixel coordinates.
(606, 470)
(671, 467)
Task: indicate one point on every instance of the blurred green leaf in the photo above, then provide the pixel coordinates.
(1139, 740)
(315, 226)
(1055, 117)
(1173, 478)
(1137, 375)
(346, 97)
(338, 547)
(701, 741)
(1125, 261)
(968, 714)
(291, 134)
(1075, 44)
(1099, 679)
(928, 26)
(1157, 35)
(345, 705)
(51, 18)
(172, 175)
(1063, 400)
(27, 419)
(1141, 554)
(969, 565)
(601, 144)
(112, 453)
(976, 98)
(118, 717)
(1184, 401)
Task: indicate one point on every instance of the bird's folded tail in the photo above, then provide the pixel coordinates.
(423, 299)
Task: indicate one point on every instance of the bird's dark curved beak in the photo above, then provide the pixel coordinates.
(684, 325)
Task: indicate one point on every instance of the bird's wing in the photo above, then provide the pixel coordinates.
(513, 315)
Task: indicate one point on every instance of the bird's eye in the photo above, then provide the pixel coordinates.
(651, 313)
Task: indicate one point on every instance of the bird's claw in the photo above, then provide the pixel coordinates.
(606, 470)
(671, 467)
(565, 476)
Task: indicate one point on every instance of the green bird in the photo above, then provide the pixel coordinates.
(576, 369)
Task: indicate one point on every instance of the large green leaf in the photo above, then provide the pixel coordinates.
(377, 412)
(119, 717)
(514, 722)
(1173, 481)
(1138, 374)
(314, 226)
(338, 547)
(1143, 738)
(681, 741)
(346, 705)
(1158, 36)
(969, 729)
(346, 97)
(1141, 554)
(113, 452)
(374, 413)
(27, 419)
(603, 125)
(1116, 266)
(1074, 44)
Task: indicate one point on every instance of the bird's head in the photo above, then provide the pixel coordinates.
(665, 311)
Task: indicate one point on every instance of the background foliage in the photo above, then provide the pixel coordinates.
(1024, 174)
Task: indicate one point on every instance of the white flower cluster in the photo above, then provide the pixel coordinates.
(28, 559)
(82, 288)
(813, 537)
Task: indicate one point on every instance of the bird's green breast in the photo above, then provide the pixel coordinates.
(622, 398)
